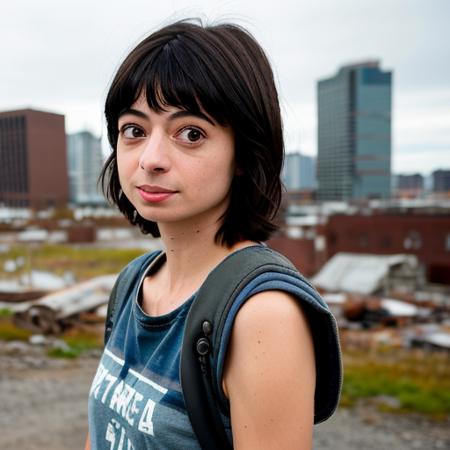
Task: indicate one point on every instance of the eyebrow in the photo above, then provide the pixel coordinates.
(173, 116)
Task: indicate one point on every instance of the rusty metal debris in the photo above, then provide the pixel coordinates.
(54, 312)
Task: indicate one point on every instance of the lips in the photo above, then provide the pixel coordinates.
(154, 194)
(155, 189)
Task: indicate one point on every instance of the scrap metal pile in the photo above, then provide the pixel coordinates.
(56, 311)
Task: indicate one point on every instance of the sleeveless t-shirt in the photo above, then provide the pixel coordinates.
(136, 401)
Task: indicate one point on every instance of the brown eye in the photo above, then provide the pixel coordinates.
(132, 132)
(191, 135)
(194, 135)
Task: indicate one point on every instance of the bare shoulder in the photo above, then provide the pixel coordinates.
(272, 320)
(270, 305)
(276, 316)
(270, 373)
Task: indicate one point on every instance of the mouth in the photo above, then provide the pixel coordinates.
(154, 194)
(151, 189)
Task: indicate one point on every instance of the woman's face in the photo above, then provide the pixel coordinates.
(174, 167)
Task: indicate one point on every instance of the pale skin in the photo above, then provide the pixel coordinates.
(269, 374)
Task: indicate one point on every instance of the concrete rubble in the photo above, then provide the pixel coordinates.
(368, 321)
(53, 313)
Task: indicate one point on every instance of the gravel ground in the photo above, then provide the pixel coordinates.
(43, 406)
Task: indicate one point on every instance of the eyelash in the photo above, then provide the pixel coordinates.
(192, 128)
(131, 126)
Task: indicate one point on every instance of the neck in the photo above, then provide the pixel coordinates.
(191, 254)
(190, 251)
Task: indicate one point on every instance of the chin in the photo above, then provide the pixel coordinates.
(161, 216)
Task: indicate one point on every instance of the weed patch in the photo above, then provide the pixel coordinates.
(83, 261)
(418, 380)
(76, 342)
(9, 332)
(5, 312)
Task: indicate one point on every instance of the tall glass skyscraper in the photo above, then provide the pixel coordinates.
(84, 156)
(299, 172)
(354, 133)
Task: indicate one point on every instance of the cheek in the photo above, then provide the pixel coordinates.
(217, 169)
(125, 167)
(216, 178)
(125, 173)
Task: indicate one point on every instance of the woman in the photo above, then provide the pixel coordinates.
(194, 124)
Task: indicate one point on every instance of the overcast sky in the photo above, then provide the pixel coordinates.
(60, 56)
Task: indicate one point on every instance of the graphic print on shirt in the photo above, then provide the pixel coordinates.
(132, 401)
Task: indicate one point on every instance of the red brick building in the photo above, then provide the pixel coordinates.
(304, 244)
(33, 165)
(425, 235)
(300, 251)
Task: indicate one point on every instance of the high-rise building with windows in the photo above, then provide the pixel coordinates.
(84, 154)
(354, 133)
(408, 186)
(299, 172)
(413, 181)
(33, 169)
(441, 180)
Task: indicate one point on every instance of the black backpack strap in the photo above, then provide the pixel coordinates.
(204, 325)
(122, 288)
(204, 334)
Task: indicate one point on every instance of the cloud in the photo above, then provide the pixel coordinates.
(62, 55)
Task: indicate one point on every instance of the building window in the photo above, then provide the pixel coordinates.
(386, 242)
(294, 232)
(332, 238)
(363, 240)
(413, 241)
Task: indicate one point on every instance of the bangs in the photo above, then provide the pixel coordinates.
(171, 76)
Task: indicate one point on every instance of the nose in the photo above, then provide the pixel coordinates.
(154, 156)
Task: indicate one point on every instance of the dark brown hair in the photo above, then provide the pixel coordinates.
(222, 71)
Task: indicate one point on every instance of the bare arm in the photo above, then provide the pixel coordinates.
(270, 374)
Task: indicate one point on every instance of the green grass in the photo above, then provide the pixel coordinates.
(84, 261)
(9, 332)
(77, 341)
(69, 353)
(418, 380)
(5, 312)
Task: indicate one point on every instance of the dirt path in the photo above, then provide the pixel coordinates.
(43, 406)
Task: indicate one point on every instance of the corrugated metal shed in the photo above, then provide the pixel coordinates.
(360, 273)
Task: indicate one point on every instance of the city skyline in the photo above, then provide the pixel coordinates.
(62, 59)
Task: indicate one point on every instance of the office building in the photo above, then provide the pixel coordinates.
(354, 133)
(408, 186)
(33, 168)
(85, 160)
(441, 180)
(299, 172)
(414, 181)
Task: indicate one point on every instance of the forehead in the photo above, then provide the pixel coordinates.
(143, 109)
(163, 83)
